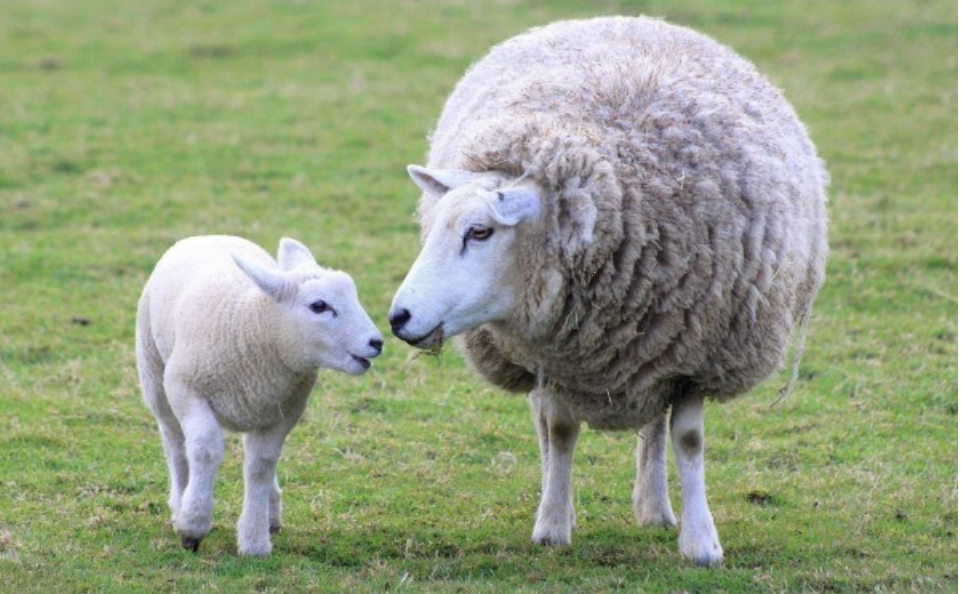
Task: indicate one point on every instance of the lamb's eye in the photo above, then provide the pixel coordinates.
(480, 233)
(320, 307)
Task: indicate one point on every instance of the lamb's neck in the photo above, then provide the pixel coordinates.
(260, 347)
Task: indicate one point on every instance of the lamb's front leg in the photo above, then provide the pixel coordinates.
(698, 540)
(262, 495)
(556, 513)
(261, 452)
(650, 496)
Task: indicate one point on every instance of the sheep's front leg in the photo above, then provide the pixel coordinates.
(204, 443)
(650, 496)
(556, 513)
(698, 540)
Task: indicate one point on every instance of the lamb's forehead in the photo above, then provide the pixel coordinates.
(314, 279)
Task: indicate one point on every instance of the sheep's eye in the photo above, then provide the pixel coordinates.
(320, 307)
(480, 233)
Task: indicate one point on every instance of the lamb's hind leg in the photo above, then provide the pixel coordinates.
(650, 496)
(556, 513)
(698, 540)
(173, 439)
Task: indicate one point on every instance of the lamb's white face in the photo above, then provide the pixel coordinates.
(332, 328)
(466, 272)
(320, 318)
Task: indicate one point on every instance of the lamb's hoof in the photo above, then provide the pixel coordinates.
(275, 528)
(190, 543)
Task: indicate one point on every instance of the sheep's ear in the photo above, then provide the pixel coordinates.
(511, 206)
(438, 182)
(269, 281)
(293, 253)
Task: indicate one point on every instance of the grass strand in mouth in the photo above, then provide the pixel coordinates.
(434, 350)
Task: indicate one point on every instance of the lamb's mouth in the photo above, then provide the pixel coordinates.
(430, 340)
(365, 363)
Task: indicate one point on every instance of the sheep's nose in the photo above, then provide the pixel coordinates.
(399, 319)
(377, 344)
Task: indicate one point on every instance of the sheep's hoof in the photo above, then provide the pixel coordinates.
(547, 540)
(275, 528)
(706, 552)
(551, 535)
(190, 543)
(258, 549)
(657, 519)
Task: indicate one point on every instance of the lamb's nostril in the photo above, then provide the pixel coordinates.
(377, 344)
(399, 319)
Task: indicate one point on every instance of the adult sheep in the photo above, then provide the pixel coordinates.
(621, 217)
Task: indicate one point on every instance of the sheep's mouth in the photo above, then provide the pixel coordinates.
(365, 363)
(430, 341)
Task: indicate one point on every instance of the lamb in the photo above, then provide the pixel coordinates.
(621, 217)
(229, 338)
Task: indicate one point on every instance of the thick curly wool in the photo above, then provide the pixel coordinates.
(683, 233)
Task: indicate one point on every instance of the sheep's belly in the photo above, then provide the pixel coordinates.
(615, 412)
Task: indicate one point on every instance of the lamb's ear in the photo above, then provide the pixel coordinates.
(511, 206)
(269, 281)
(438, 182)
(293, 253)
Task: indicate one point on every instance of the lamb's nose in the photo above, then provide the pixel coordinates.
(377, 344)
(399, 319)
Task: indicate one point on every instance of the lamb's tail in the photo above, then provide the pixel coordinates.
(799, 351)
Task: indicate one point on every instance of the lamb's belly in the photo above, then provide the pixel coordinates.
(617, 412)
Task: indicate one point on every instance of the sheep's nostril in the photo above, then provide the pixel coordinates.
(399, 319)
(377, 344)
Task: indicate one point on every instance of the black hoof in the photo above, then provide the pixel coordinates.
(275, 528)
(190, 543)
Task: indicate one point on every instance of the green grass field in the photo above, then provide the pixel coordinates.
(125, 126)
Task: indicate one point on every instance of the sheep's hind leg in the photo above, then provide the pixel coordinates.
(698, 540)
(650, 496)
(556, 513)
(204, 441)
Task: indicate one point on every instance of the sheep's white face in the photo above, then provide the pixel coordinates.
(466, 273)
(320, 321)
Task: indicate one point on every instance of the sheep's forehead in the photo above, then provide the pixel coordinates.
(462, 202)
